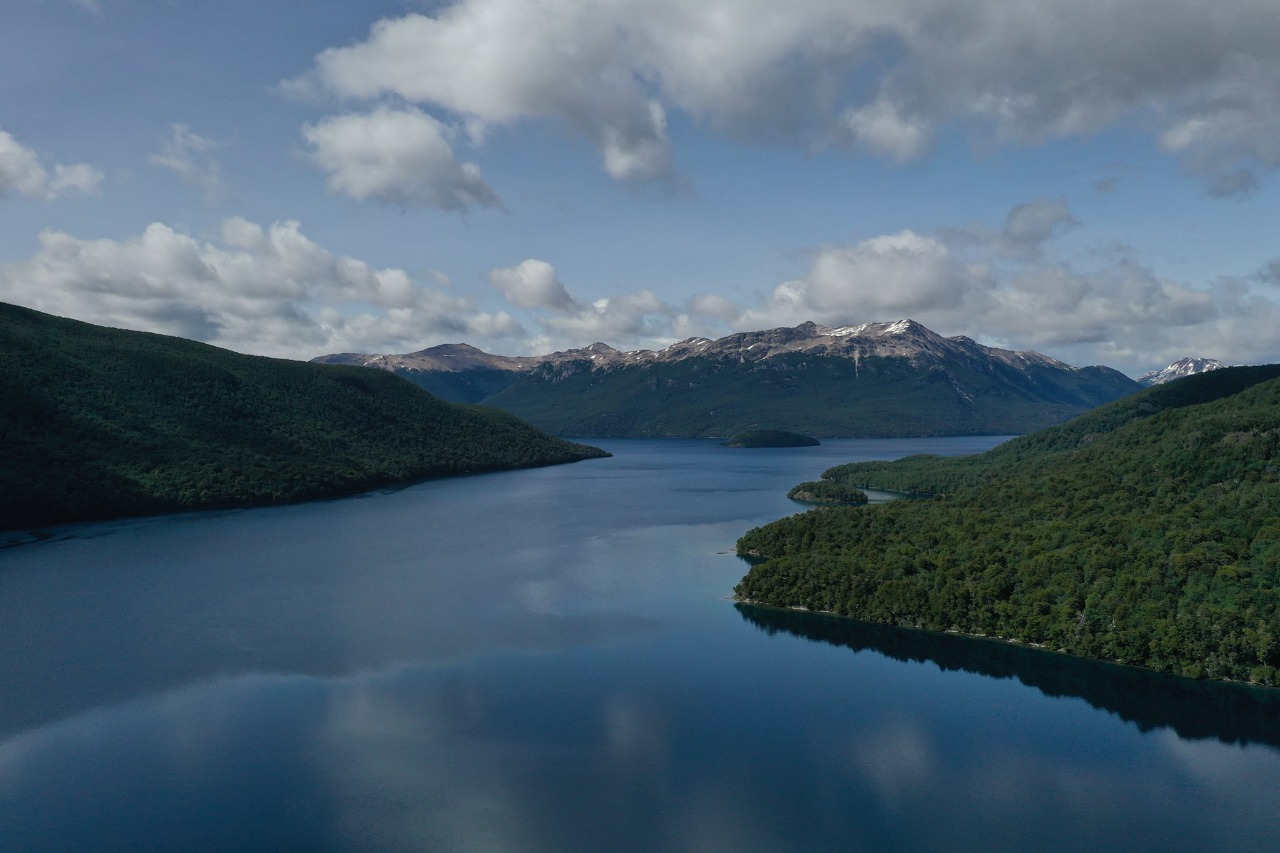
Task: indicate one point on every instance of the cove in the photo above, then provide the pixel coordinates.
(548, 660)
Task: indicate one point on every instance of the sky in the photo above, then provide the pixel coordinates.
(1095, 181)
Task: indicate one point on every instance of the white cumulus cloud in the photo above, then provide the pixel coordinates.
(531, 284)
(400, 157)
(21, 169)
(638, 319)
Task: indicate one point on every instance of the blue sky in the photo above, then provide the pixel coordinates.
(1096, 182)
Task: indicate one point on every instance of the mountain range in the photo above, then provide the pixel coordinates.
(873, 379)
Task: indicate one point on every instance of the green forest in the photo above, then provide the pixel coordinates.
(99, 422)
(828, 491)
(797, 392)
(1145, 532)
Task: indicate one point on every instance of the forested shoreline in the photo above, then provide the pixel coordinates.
(1145, 532)
(101, 423)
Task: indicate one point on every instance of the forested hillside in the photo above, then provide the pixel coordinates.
(100, 422)
(1147, 532)
(800, 392)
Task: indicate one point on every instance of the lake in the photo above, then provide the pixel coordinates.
(550, 660)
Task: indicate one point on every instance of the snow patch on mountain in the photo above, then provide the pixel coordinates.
(899, 339)
(1183, 367)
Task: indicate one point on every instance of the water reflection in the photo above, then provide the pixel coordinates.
(594, 750)
(1231, 713)
(545, 661)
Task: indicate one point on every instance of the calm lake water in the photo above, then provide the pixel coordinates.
(549, 660)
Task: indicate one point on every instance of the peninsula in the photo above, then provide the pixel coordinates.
(1144, 532)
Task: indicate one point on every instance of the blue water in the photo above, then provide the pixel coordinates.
(549, 660)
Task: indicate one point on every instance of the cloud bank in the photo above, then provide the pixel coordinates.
(273, 291)
(1203, 79)
(1006, 287)
(269, 291)
(1009, 288)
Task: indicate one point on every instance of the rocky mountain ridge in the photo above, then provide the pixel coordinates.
(873, 379)
(899, 339)
(1182, 367)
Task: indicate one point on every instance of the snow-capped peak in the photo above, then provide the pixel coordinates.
(1183, 367)
(848, 331)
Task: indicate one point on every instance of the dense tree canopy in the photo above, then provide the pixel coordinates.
(1147, 531)
(800, 392)
(828, 491)
(100, 422)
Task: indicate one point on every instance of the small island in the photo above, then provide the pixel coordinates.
(771, 438)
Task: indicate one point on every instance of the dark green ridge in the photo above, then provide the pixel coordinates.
(1146, 532)
(819, 396)
(99, 423)
(1028, 453)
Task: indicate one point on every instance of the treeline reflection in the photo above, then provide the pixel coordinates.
(1231, 713)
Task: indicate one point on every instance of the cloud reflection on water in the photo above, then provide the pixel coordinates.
(516, 751)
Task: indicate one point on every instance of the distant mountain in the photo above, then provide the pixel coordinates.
(1177, 370)
(98, 423)
(875, 379)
